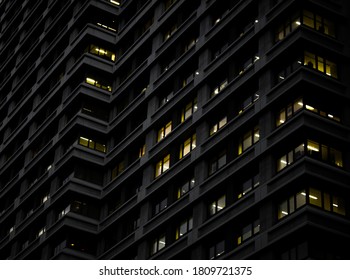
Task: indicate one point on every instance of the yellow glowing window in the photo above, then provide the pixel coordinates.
(90, 81)
(162, 166)
(117, 3)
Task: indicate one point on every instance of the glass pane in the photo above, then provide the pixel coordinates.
(338, 205)
(256, 227)
(190, 223)
(329, 28)
(315, 197)
(91, 144)
(187, 147)
(320, 64)
(299, 151)
(100, 147)
(283, 210)
(221, 203)
(282, 163)
(256, 134)
(327, 202)
(300, 199)
(194, 142)
(213, 129)
(308, 19)
(183, 228)
(247, 140)
(298, 105)
(167, 128)
(222, 161)
(291, 204)
(220, 248)
(336, 157)
(166, 164)
(161, 243)
(309, 60)
(331, 69)
(313, 148)
(158, 169)
(222, 122)
(83, 141)
(281, 119)
(247, 232)
(212, 208)
(247, 186)
(324, 151)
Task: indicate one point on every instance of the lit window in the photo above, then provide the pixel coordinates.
(184, 228)
(219, 88)
(64, 212)
(102, 52)
(185, 188)
(164, 131)
(158, 244)
(217, 250)
(217, 205)
(248, 231)
(170, 32)
(218, 126)
(287, 27)
(248, 102)
(41, 231)
(142, 150)
(98, 84)
(249, 139)
(291, 204)
(117, 3)
(189, 109)
(249, 185)
(289, 111)
(322, 65)
(107, 27)
(319, 23)
(162, 166)
(312, 196)
(187, 146)
(92, 144)
(290, 157)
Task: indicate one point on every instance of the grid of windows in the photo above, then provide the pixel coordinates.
(58, 114)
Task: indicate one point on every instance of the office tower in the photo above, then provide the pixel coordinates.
(174, 129)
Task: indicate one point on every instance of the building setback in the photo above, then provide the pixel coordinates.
(174, 129)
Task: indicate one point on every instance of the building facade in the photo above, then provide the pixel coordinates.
(174, 129)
